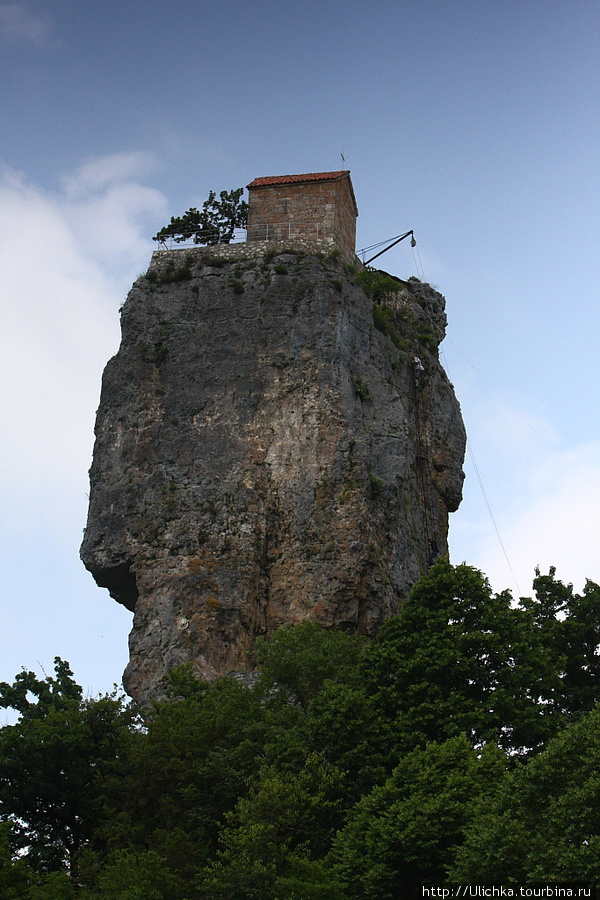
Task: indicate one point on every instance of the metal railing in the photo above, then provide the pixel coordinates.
(281, 231)
(220, 237)
(261, 231)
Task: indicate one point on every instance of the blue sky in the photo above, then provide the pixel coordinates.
(474, 123)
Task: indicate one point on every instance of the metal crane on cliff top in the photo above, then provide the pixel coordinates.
(391, 242)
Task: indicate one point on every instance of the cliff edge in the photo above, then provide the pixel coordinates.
(272, 444)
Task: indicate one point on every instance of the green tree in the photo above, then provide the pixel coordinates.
(129, 875)
(189, 767)
(15, 875)
(570, 624)
(224, 792)
(544, 823)
(200, 752)
(299, 659)
(344, 727)
(459, 659)
(52, 765)
(215, 223)
(277, 836)
(404, 833)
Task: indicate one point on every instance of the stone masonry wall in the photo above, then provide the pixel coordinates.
(345, 217)
(316, 210)
(249, 250)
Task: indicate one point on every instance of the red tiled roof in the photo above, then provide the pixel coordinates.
(296, 179)
(271, 180)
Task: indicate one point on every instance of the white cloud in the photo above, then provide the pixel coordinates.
(104, 203)
(557, 524)
(102, 171)
(18, 24)
(67, 260)
(61, 290)
(544, 501)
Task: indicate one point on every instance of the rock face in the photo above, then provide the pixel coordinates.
(267, 450)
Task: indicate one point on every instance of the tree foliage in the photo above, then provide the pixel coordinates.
(461, 744)
(570, 623)
(53, 762)
(215, 223)
(407, 830)
(544, 822)
(279, 833)
(299, 660)
(459, 659)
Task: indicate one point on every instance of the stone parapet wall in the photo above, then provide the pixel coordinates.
(250, 250)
